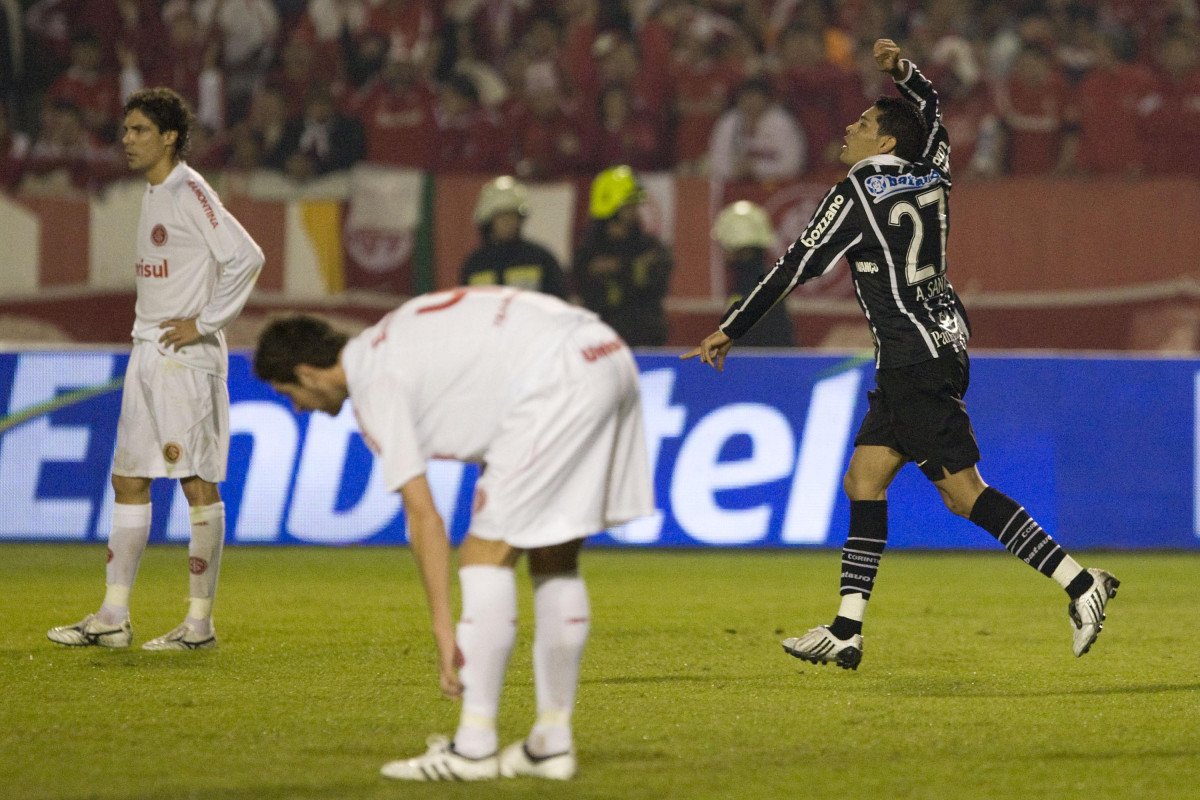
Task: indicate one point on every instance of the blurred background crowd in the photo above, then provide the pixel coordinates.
(545, 89)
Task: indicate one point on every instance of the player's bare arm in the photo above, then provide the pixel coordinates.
(431, 549)
(887, 58)
(712, 350)
(179, 333)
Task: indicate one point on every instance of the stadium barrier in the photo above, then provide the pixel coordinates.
(1101, 450)
(1038, 261)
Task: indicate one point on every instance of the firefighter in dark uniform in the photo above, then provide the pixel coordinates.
(890, 218)
(504, 256)
(620, 270)
(744, 232)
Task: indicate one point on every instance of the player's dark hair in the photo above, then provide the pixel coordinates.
(168, 110)
(288, 342)
(902, 120)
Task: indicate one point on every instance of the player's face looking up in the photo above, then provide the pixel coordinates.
(864, 140)
(146, 147)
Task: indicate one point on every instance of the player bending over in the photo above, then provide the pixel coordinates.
(889, 218)
(196, 268)
(545, 397)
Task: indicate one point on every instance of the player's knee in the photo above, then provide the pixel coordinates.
(858, 487)
(130, 491)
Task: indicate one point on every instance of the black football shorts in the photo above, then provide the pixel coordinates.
(918, 411)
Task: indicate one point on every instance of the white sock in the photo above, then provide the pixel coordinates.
(126, 543)
(854, 606)
(1067, 570)
(204, 559)
(561, 609)
(485, 635)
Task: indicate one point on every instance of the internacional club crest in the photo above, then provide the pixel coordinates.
(158, 235)
(197, 565)
(172, 452)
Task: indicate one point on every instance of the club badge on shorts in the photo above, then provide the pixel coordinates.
(197, 565)
(171, 452)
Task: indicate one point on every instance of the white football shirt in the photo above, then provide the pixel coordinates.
(434, 378)
(194, 260)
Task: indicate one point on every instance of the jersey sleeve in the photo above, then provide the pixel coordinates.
(399, 454)
(238, 256)
(917, 89)
(829, 234)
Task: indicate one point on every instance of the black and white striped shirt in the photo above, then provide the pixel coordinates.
(890, 218)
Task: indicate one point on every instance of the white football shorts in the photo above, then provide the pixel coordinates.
(174, 420)
(570, 457)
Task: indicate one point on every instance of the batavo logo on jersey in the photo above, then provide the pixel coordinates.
(158, 236)
(881, 186)
(152, 270)
(208, 211)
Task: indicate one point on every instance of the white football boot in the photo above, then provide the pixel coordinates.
(184, 637)
(1087, 612)
(441, 763)
(90, 631)
(820, 646)
(516, 760)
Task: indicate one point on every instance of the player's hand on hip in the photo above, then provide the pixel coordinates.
(712, 350)
(887, 57)
(179, 333)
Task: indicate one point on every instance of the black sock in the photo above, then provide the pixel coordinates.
(864, 546)
(844, 627)
(1083, 581)
(1004, 518)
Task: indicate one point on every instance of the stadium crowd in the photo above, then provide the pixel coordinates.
(544, 89)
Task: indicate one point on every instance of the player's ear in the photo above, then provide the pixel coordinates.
(887, 144)
(307, 376)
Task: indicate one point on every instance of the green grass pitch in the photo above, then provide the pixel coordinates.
(967, 689)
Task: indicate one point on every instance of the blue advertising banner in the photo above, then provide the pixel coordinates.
(1101, 450)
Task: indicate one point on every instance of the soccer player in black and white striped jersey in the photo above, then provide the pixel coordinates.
(890, 218)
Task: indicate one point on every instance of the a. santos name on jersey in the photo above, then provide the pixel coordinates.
(823, 223)
(881, 186)
(931, 288)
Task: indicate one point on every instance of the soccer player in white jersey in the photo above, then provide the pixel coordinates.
(545, 397)
(196, 267)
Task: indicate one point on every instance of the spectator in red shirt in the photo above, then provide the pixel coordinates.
(66, 156)
(648, 87)
(468, 135)
(547, 138)
(702, 82)
(396, 109)
(188, 64)
(90, 87)
(1171, 127)
(323, 25)
(820, 94)
(625, 137)
(414, 25)
(1038, 115)
(1113, 96)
